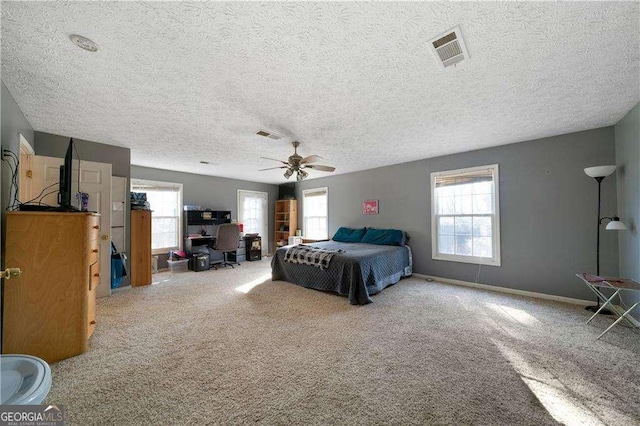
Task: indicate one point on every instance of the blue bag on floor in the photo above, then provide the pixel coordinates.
(118, 266)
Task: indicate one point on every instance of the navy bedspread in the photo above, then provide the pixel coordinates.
(361, 271)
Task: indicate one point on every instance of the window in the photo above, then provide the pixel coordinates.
(465, 219)
(252, 213)
(315, 220)
(165, 200)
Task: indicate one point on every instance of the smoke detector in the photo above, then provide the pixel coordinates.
(83, 43)
(448, 48)
(268, 135)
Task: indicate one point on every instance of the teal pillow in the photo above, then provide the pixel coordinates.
(387, 237)
(349, 235)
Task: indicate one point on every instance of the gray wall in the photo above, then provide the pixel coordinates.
(210, 192)
(52, 145)
(548, 209)
(56, 146)
(627, 134)
(13, 122)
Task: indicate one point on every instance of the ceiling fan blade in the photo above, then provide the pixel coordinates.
(273, 159)
(321, 168)
(272, 168)
(310, 159)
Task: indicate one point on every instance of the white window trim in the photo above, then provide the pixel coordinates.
(305, 191)
(496, 260)
(180, 209)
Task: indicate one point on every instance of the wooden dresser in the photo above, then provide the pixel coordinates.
(140, 258)
(50, 310)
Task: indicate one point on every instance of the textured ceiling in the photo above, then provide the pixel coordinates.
(354, 82)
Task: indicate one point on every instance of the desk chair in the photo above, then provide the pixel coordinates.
(227, 236)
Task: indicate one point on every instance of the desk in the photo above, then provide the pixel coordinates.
(598, 284)
(198, 240)
(238, 256)
(194, 241)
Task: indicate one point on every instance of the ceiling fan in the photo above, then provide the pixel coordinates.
(297, 164)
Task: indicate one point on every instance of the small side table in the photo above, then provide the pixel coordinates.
(597, 284)
(253, 247)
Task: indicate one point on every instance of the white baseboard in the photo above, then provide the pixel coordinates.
(580, 302)
(508, 290)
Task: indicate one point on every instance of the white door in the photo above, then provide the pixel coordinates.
(253, 214)
(95, 180)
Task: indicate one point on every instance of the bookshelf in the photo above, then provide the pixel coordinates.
(286, 221)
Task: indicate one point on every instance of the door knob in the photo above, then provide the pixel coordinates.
(10, 272)
(105, 237)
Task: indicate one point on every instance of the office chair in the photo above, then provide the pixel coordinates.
(227, 236)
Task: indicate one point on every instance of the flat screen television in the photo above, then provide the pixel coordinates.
(66, 179)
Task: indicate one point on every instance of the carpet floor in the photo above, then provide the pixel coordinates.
(232, 347)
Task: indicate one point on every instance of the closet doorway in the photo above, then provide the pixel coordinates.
(253, 214)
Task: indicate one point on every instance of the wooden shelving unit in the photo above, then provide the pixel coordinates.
(140, 259)
(286, 221)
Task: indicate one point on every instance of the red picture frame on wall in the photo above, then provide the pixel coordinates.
(370, 207)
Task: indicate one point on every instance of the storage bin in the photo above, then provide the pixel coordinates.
(178, 265)
(199, 262)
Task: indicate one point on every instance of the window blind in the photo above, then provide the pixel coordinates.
(464, 178)
(315, 193)
(151, 187)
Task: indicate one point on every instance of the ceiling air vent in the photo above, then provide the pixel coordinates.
(448, 48)
(268, 135)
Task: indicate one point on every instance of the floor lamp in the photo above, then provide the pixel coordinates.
(599, 173)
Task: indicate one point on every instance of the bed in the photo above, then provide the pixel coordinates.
(358, 271)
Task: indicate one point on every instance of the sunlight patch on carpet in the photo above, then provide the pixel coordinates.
(557, 399)
(464, 304)
(246, 288)
(514, 314)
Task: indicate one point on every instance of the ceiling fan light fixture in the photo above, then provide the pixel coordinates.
(288, 173)
(302, 175)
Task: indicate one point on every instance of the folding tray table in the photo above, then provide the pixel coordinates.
(597, 284)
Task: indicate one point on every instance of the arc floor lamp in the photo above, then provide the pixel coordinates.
(599, 173)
